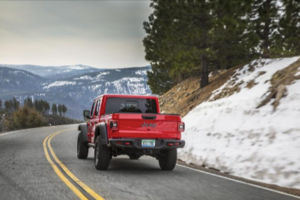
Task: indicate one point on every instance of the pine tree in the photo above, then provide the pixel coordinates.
(15, 104)
(64, 109)
(264, 20)
(177, 36)
(7, 105)
(54, 109)
(36, 105)
(157, 48)
(287, 41)
(11, 105)
(28, 102)
(0, 104)
(159, 80)
(47, 107)
(59, 109)
(230, 43)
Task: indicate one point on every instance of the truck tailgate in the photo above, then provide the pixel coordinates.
(147, 125)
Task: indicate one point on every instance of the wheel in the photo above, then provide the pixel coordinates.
(102, 155)
(82, 148)
(167, 160)
(134, 156)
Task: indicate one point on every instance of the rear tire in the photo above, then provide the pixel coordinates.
(134, 157)
(82, 147)
(168, 159)
(102, 155)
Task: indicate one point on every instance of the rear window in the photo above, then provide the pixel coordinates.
(124, 105)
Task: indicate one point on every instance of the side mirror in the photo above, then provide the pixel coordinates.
(86, 114)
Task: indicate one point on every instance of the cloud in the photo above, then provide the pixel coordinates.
(69, 32)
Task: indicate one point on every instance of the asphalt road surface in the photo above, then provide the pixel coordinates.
(35, 166)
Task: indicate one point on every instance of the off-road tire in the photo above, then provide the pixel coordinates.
(134, 157)
(102, 155)
(82, 147)
(168, 159)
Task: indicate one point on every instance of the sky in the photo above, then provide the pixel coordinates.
(102, 34)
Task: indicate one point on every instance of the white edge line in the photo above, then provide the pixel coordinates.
(2, 134)
(238, 181)
(7, 133)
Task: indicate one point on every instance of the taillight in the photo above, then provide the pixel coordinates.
(114, 125)
(181, 126)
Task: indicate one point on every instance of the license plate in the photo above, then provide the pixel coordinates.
(148, 143)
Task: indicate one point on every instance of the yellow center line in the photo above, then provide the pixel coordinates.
(66, 170)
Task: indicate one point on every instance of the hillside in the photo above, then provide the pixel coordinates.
(76, 92)
(245, 123)
(16, 80)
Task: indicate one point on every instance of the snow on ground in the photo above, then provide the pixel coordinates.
(84, 78)
(76, 67)
(17, 72)
(141, 72)
(95, 87)
(59, 83)
(231, 135)
(127, 85)
(102, 74)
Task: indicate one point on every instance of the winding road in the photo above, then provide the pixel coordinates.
(41, 163)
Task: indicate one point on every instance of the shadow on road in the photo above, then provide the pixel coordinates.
(124, 165)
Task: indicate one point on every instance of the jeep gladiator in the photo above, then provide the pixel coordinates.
(129, 125)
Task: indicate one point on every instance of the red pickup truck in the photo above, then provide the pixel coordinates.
(129, 125)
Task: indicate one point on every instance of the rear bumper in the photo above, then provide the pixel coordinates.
(160, 144)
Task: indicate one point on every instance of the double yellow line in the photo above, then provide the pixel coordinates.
(56, 167)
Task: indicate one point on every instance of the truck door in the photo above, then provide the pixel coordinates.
(90, 122)
(95, 118)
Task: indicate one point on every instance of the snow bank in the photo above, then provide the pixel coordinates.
(231, 135)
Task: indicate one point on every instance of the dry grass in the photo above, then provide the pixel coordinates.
(251, 84)
(186, 95)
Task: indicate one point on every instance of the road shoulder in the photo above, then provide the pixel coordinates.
(290, 191)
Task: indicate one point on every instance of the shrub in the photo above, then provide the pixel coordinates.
(25, 118)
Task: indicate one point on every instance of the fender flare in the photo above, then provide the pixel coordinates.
(102, 132)
(84, 130)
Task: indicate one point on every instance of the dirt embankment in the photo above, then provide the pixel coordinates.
(186, 95)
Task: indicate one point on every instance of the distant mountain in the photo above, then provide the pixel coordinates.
(55, 72)
(14, 81)
(76, 92)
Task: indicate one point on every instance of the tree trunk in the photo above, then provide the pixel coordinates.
(204, 72)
